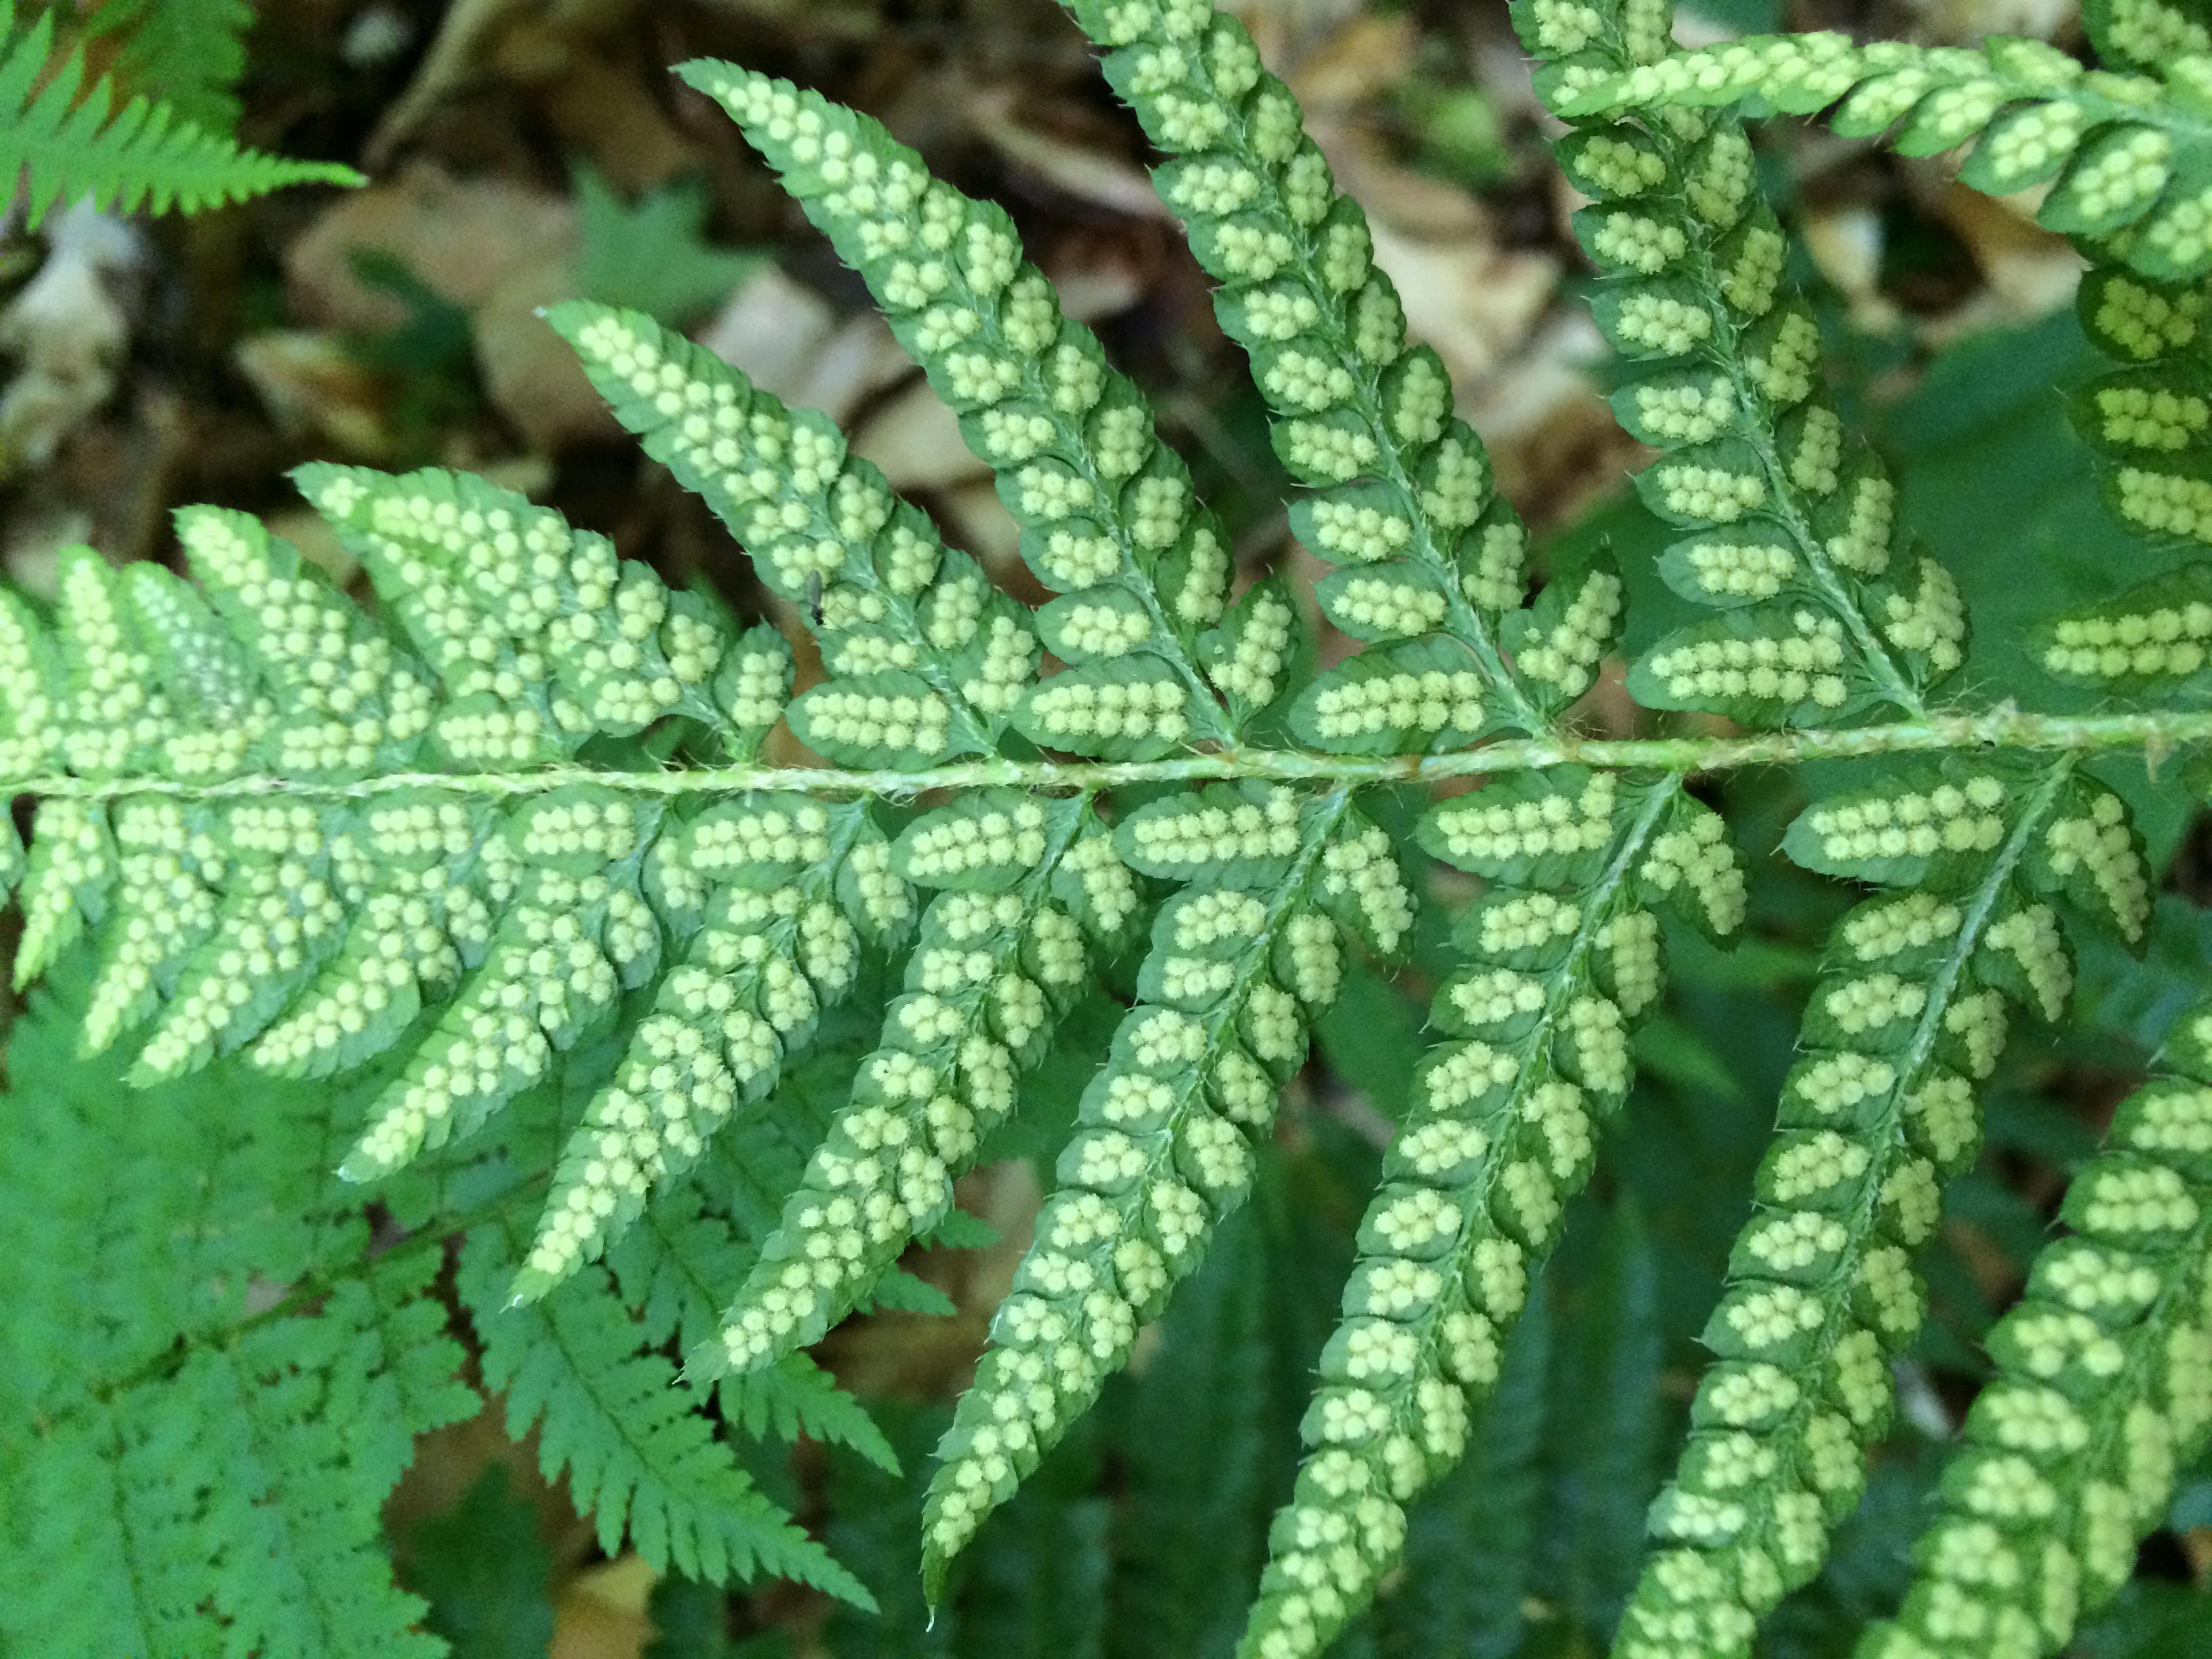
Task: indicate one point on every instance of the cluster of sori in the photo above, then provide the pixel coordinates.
(1907, 1018)
(1028, 889)
(539, 634)
(2148, 423)
(2123, 150)
(1239, 963)
(1109, 518)
(927, 659)
(1431, 562)
(1563, 958)
(312, 934)
(227, 910)
(1792, 535)
(2103, 1389)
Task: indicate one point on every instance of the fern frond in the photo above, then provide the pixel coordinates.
(314, 936)
(636, 1457)
(1107, 513)
(1161, 1150)
(511, 829)
(1457, 1602)
(1908, 1016)
(1563, 954)
(1822, 1284)
(187, 54)
(926, 658)
(1403, 504)
(146, 154)
(1025, 884)
(2128, 152)
(1822, 615)
(2145, 424)
(675, 1267)
(2103, 1389)
(137, 1223)
(1001, 952)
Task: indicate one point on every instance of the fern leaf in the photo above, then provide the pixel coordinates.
(130, 1371)
(1908, 1017)
(1566, 953)
(1823, 616)
(1106, 511)
(146, 154)
(2127, 152)
(675, 1268)
(635, 1456)
(1222, 1395)
(902, 617)
(2103, 1388)
(1001, 952)
(1403, 499)
(303, 1417)
(189, 54)
(347, 924)
(2143, 423)
(1161, 1152)
(1453, 1602)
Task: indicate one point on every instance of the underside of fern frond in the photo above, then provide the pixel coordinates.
(515, 828)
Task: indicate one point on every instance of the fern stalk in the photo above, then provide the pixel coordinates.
(2159, 734)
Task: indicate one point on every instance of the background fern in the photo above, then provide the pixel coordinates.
(189, 53)
(168, 147)
(682, 1048)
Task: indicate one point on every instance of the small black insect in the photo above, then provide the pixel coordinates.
(814, 597)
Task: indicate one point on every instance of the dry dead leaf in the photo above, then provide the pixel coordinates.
(70, 331)
(310, 382)
(529, 371)
(497, 249)
(32, 555)
(1470, 298)
(1967, 22)
(600, 1612)
(915, 437)
(1105, 180)
(609, 117)
(1552, 440)
(1846, 242)
(462, 238)
(445, 68)
(1100, 274)
(774, 327)
(1350, 64)
(787, 339)
(522, 39)
(2027, 271)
